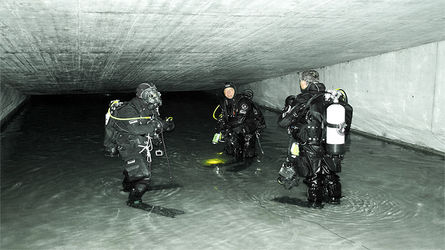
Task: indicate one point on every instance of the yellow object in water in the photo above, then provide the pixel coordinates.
(214, 161)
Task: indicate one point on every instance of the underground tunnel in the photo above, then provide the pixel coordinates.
(64, 63)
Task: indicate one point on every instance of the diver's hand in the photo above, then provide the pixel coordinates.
(298, 110)
(155, 125)
(111, 152)
(222, 125)
(169, 124)
(155, 120)
(259, 130)
(294, 111)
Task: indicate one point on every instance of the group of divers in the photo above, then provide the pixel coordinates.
(317, 121)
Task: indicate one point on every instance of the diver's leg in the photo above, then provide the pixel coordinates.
(137, 191)
(139, 175)
(238, 142)
(333, 187)
(315, 190)
(126, 150)
(249, 145)
(228, 146)
(126, 183)
(314, 181)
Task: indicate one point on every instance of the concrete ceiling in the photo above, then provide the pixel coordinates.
(75, 46)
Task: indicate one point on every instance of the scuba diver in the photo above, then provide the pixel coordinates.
(239, 124)
(317, 121)
(133, 130)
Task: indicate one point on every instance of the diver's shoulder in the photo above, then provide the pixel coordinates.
(241, 97)
(291, 100)
(304, 97)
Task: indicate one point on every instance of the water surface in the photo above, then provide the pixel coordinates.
(58, 191)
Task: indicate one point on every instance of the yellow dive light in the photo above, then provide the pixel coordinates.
(214, 161)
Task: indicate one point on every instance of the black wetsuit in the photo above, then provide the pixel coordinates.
(303, 116)
(238, 125)
(130, 137)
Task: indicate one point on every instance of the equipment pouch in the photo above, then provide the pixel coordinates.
(136, 169)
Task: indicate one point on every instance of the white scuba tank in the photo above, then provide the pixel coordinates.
(335, 128)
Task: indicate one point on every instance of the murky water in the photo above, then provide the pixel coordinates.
(58, 191)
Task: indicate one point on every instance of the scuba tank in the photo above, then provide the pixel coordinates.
(335, 124)
(258, 116)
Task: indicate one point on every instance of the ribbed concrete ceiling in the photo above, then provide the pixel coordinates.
(71, 46)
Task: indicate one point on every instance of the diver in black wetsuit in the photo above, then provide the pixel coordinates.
(241, 121)
(133, 129)
(304, 117)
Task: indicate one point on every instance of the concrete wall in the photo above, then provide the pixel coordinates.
(10, 100)
(398, 95)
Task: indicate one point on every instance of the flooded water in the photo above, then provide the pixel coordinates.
(58, 191)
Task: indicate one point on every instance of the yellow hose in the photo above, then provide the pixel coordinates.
(343, 93)
(214, 111)
(125, 119)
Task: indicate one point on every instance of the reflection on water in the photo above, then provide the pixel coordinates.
(59, 191)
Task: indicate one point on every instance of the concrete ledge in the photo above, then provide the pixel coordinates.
(11, 101)
(401, 143)
(7, 118)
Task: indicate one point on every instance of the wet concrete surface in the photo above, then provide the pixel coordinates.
(58, 191)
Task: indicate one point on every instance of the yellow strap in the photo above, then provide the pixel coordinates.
(169, 119)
